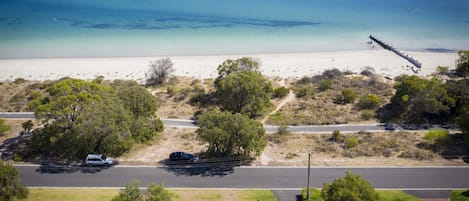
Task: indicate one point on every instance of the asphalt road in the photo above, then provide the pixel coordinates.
(183, 123)
(438, 178)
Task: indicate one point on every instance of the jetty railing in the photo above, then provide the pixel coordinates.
(392, 49)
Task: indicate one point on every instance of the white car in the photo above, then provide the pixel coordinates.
(98, 159)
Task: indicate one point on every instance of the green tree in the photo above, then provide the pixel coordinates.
(463, 122)
(3, 127)
(66, 100)
(135, 98)
(246, 92)
(463, 63)
(94, 118)
(418, 100)
(228, 134)
(351, 188)
(130, 193)
(10, 186)
(157, 192)
(230, 66)
(27, 126)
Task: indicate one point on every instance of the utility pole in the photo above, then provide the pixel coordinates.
(309, 167)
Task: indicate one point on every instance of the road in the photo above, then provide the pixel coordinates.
(183, 123)
(436, 178)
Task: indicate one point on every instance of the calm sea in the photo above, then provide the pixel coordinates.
(92, 28)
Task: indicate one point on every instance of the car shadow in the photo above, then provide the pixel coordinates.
(204, 167)
(65, 168)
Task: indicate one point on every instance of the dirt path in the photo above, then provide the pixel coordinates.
(290, 97)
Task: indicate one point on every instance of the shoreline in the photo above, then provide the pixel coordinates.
(284, 65)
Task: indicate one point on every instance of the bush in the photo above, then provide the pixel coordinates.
(281, 92)
(440, 137)
(337, 137)
(352, 142)
(3, 127)
(19, 81)
(304, 92)
(351, 188)
(171, 90)
(325, 85)
(371, 101)
(314, 194)
(460, 195)
(367, 71)
(347, 96)
(368, 114)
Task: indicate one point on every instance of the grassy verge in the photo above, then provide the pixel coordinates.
(384, 195)
(460, 195)
(395, 195)
(71, 194)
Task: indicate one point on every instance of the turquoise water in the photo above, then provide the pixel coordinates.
(106, 28)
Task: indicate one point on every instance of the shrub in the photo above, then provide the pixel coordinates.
(460, 195)
(159, 71)
(332, 73)
(371, 101)
(352, 142)
(325, 85)
(281, 92)
(416, 154)
(304, 92)
(368, 114)
(440, 137)
(347, 96)
(442, 70)
(367, 71)
(19, 81)
(34, 95)
(291, 155)
(314, 194)
(171, 90)
(337, 137)
(352, 187)
(3, 127)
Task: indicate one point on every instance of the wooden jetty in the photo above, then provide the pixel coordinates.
(392, 49)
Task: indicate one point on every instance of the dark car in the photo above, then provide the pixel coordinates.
(182, 156)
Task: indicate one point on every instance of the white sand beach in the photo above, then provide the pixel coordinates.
(288, 65)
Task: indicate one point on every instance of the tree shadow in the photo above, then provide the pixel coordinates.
(454, 149)
(66, 168)
(205, 167)
(13, 146)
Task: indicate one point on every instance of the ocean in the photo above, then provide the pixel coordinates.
(126, 28)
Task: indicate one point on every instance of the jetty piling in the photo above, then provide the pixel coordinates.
(410, 59)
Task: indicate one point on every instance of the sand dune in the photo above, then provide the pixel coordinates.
(282, 65)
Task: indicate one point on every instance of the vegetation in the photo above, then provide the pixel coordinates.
(159, 71)
(370, 101)
(70, 194)
(347, 96)
(384, 195)
(462, 67)
(88, 117)
(460, 195)
(27, 126)
(228, 134)
(281, 92)
(10, 186)
(242, 89)
(3, 127)
(440, 137)
(154, 192)
(419, 100)
(352, 187)
(325, 85)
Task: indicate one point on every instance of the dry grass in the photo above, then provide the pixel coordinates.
(173, 139)
(375, 149)
(320, 108)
